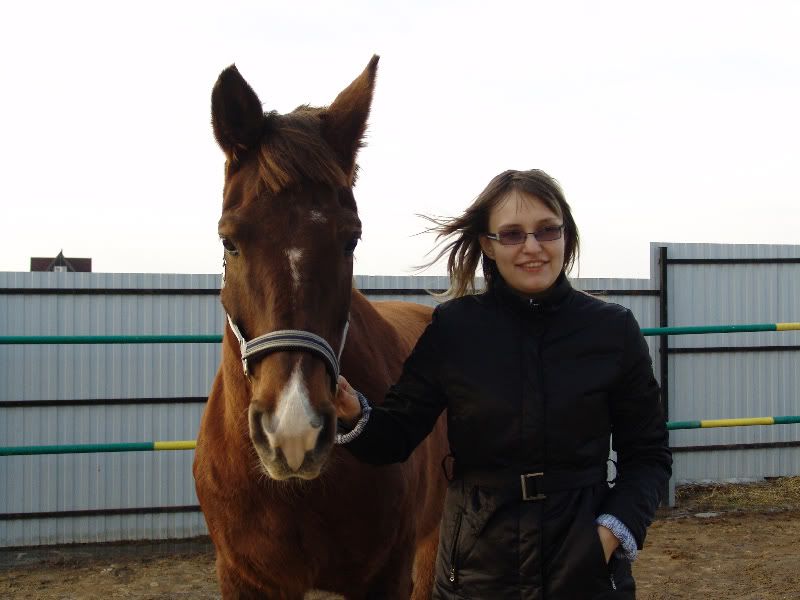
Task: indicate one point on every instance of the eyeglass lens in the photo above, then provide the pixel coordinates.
(513, 237)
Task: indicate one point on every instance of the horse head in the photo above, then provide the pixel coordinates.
(289, 227)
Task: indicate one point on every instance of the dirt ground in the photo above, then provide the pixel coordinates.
(721, 542)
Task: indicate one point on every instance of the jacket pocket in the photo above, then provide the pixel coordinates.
(453, 577)
(609, 581)
(576, 564)
(472, 534)
(601, 564)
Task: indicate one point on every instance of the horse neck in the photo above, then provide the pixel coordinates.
(374, 352)
(370, 329)
(233, 393)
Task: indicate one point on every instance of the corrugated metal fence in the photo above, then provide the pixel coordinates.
(131, 393)
(733, 375)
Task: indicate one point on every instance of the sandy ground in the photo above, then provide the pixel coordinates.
(742, 555)
(734, 552)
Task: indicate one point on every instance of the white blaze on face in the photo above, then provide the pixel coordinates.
(294, 255)
(294, 431)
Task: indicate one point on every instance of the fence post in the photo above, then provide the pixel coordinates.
(663, 353)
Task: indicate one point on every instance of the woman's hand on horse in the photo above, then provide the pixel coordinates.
(348, 408)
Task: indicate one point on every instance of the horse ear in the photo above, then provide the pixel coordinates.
(345, 120)
(236, 113)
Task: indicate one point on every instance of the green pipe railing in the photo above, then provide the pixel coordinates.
(87, 448)
(216, 338)
(720, 329)
(191, 444)
(110, 339)
(705, 423)
(206, 339)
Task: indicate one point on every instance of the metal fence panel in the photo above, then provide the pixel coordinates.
(717, 385)
(32, 374)
(734, 384)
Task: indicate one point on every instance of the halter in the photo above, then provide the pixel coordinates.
(288, 339)
(291, 339)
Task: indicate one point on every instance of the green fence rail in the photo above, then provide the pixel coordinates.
(721, 329)
(87, 448)
(191, 444)
(110, 339)
(745, 422)
(212, 339)
(216, 338)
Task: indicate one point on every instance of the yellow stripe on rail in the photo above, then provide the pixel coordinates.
(737, 422)
(176, 445)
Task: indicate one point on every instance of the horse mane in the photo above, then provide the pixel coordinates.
(293, 149)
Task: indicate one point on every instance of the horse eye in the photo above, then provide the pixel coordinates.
(351, 245)
(230, 248)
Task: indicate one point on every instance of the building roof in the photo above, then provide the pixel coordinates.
(72, 265)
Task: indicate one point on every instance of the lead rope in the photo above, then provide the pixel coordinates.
(344, 339)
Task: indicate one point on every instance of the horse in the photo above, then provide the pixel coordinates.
(288, 510)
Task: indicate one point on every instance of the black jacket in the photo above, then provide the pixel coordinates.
(531, 387)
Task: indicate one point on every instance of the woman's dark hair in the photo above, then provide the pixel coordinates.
(464, 249)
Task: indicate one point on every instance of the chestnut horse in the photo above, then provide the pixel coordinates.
(287, 509)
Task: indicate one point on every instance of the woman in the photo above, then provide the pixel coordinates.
(535, 377)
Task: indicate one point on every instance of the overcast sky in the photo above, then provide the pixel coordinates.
(669, 122)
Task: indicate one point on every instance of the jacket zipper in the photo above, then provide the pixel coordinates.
(454, 553)
(613, 583)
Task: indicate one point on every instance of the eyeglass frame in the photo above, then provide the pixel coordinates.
(496, 236)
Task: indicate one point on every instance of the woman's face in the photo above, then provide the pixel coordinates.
(532, 266)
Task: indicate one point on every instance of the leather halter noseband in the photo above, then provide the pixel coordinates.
(287, 340)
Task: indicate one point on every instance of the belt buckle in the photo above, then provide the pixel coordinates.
(529, 479)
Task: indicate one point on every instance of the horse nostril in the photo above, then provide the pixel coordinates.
(327, 434)
(262, 426)
(270, 423)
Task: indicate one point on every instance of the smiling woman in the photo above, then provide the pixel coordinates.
(528, 247)
(496, 228)
(535, 377)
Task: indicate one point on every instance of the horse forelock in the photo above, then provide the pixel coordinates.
(293, 152)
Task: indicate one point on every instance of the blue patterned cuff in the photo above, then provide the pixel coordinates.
(627, 543)
(349, 436)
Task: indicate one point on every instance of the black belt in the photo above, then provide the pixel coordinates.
(534, 484)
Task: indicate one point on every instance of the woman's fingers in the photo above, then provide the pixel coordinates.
(348, 408)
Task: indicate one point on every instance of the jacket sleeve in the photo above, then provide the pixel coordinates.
(410, 408)
(639, 436)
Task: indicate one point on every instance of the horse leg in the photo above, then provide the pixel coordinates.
(425, 565)
(234, 587)
(393, 581)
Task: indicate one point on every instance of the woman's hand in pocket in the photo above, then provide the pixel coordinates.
(609, 541)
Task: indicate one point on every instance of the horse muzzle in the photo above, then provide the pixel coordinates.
(292, 441)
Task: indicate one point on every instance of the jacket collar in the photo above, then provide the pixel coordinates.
(548, 301)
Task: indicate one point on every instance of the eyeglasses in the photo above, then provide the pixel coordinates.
(514, 237)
